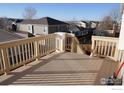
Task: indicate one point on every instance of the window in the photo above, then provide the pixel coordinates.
(29, 28)
(45, 28)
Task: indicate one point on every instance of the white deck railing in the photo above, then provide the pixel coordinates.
(14, 54)
(105, 46)
(17, 53)
(108, 47)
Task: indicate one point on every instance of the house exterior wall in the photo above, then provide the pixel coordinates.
(22, 27)
(40, 29)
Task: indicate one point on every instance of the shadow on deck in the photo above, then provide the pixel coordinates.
(62, 69)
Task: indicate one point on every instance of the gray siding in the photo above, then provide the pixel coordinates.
(22, 27)
(40, 29)
(43, 29)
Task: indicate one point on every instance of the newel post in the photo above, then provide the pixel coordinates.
(60, 42)
(116, 52)
(5, 61)
(92, 47)
(37, 51)
(72, 45)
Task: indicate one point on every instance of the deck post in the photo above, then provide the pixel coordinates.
(37, 51)
(5, 61)
(72, 44)
(116, 53)
(92, 47)
(60, 43)
(57, 40)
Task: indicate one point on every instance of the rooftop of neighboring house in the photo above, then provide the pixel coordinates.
(44, 21)
(8, 36)
(9, 21)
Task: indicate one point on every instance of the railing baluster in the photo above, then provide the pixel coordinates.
(8, 56)
(55, 44)
(39, 43)
(112, 50)
(49, 44)
(52, 44)
(1, 62)
(32, 56)
(23, 53)
(109, 45)
(12, 56)
(43, 47)
(49, 40)
(16, 58)
(105, 50)
(26, 56)
(96, 47)
(29, 50)
(19, 53)
(47, 51)
(5, 60)
(99, 46)
(102, 47)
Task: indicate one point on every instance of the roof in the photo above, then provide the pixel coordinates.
(29, 21)
(73, 28)
(44, 21)
(8, 36)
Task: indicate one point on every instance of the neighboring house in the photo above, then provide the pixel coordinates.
(94, 24)
(84, 24)
(81, 24)
(45, 25)
(73, 28)
(6, 23)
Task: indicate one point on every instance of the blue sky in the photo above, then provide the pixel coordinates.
(60, 11)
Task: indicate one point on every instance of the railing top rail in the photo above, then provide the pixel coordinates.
(25, 40)
(102, 38)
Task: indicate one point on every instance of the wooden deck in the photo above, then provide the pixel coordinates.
(62, 69)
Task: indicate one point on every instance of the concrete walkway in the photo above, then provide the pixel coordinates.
(62, 69)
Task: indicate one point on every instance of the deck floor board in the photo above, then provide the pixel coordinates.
(62, 69)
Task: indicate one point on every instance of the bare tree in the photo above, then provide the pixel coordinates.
(29, 13)
(111, 20)
(106, 23)
(116, 15)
